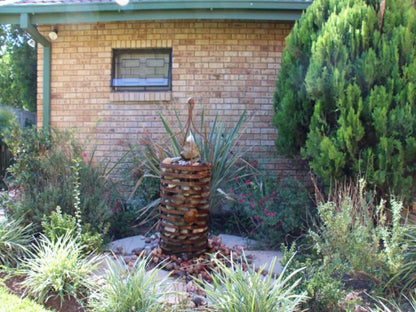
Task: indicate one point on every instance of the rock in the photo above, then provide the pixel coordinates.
(198, 301)
(167, 161)
(189, 149)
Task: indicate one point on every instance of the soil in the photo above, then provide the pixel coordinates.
(13, 284)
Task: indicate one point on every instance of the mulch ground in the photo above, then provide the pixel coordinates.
(13, 284)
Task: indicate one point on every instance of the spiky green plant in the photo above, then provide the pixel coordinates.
(218, 146)
(58, 269)
(235, 289)
(405, 278)
(14, 241)
(128, 289)
(406, 305)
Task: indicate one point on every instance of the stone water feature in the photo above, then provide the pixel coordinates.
(184, 192)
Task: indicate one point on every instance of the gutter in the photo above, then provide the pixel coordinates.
(67, 12)
(25, 24)
(158, 5)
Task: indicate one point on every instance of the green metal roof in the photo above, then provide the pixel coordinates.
(52, 12)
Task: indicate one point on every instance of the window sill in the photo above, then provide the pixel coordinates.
(140, 96)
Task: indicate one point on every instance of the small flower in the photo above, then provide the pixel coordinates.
(236, 179)
(240, 201)
(274, 193)
(84, 155)
(260, 201)
(268, 214)
(247, 182)
(252, 205)
(255, 218)
(273, 214)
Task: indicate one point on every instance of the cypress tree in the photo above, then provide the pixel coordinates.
(292, 103)
(359, 84)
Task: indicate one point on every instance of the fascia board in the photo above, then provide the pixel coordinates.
(63, 18)
(157, 5)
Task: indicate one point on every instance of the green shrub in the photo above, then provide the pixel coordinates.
(353, 243)
(12, 303)
(43, 172)
(321, 281)
(7, 119)
(235, 289)
(135, 214)
(270, 211)
(129, 289)
(355, 232)
(58, 269)
(345, 94)
(59, 224)
(292, 102)
(15, 239)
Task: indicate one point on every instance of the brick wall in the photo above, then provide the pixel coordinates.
(226, 66)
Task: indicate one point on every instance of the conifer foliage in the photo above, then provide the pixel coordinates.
(346, 92)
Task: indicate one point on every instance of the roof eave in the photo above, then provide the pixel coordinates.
(156, 9)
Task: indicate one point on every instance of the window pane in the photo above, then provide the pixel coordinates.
(141, 69)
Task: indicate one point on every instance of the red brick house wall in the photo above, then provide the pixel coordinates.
(227, 66)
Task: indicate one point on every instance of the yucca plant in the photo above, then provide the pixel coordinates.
(128, 289)
(58, 268)
(217, 146)
(14, 241)
(235, 289)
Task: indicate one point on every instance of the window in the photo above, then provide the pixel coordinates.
(142, 70)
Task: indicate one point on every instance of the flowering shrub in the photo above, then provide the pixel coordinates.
(43, 174)
(271, 212)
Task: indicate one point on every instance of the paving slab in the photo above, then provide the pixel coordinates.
(259, 257)
(128, 244)
(177, 289)
(265, 258)
(234, 240)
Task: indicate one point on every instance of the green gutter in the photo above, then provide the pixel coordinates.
(46, 86)
(156, 9)
(25, 24)
(158, 5)
(62, 18)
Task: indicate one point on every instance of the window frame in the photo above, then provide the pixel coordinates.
(120, 88)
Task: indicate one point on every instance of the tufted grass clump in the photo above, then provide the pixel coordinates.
(58, 268)
(14, 241)
(242, 288)
(129, 289)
